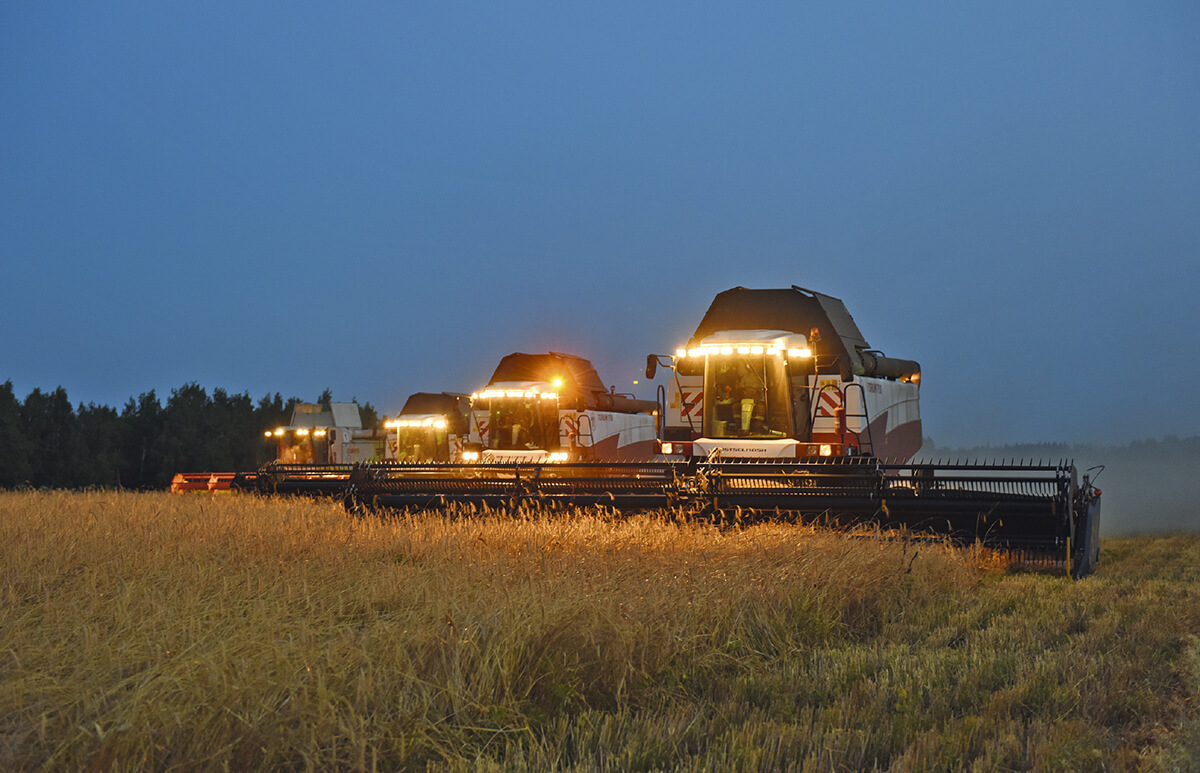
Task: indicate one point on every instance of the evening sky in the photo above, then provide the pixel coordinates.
(383, 198)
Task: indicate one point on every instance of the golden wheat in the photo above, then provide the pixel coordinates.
(146, 631)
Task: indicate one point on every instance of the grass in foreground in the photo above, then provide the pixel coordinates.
(148, 631)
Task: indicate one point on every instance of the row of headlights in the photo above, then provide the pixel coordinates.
(299, 432)
(701, 351)
(525, 394)
(409, 423)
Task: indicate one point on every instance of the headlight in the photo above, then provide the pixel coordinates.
(826, 450)
(470, 456)
(558, 456)
(667, 448)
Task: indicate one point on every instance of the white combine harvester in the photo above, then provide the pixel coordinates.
(553, 407)
(317, 435)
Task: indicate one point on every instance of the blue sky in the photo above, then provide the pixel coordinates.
(386, 198)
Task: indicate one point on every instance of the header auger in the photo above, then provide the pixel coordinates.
(776, 407)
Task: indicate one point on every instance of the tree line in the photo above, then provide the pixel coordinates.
(45, 442)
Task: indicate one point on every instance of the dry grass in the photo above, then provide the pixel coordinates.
(146, 631)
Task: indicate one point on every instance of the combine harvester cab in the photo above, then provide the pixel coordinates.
(786, 374)
(553, 408)
(780, 405)
(432, 427)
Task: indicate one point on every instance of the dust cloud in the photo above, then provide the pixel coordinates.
(1148, 487)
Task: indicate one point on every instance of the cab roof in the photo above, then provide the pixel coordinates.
(794, 310)
(440, 403)
(453, 406)
(579, 377)
(345, 415)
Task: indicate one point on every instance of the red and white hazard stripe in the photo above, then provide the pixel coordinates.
(828, 403)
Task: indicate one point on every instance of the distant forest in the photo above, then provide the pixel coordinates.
(45, 442)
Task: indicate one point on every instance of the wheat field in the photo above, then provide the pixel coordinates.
(165, 632)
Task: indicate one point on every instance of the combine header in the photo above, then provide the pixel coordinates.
(776, 407)
(1031, 511)
(185, 482)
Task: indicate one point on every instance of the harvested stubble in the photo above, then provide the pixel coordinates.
(144, 631)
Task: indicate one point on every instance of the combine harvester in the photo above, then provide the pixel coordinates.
(779, 403)
(326, 436)
(321, 443)
(554, 408)
(776, 406)
(316, 437)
